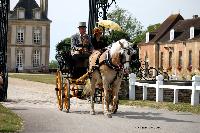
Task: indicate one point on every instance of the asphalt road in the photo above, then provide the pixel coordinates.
(36, 104)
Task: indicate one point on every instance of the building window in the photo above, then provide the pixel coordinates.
(191, 32)
(147, 37)
(171, 34)
(180, 59)
(20, 35)
(21, 13)
(190, 61)
(19, 61)
(36, 36)
(170, 59)
(199, 59)
(161, 59)
(36, 58)
(37, 14)
(190, 58)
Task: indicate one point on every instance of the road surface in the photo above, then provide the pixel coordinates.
(36, 104)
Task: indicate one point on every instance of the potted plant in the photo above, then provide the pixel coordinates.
(179, 67)
(169, 68)
(189, 68)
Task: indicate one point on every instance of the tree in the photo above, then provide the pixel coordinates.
(116, 35)
(141, 36)
(53, 64)
(152, 28)
(130, 25)
(64, 45)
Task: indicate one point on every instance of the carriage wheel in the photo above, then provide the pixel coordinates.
(59, 89)
(67, 95)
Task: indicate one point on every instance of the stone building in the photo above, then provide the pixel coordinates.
(28, 36)
(174, 47)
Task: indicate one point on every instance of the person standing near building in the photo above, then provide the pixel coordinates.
(17, 69)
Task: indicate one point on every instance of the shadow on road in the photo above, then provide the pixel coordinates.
(147, 116)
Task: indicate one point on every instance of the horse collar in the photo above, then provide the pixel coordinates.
(109, 63)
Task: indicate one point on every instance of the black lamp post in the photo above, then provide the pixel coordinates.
(4, 9)
(98, 9)
(104, 5)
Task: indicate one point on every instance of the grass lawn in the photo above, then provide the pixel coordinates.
(179, 107)
(9, 122)
(43, 78)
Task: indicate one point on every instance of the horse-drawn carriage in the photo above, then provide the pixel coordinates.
(103, 69)
(70, 69)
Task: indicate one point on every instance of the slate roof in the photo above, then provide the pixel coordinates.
(166, 26)
(181, 27)
(182, 30)
(28, 5)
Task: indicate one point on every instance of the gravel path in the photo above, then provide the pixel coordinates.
(36, 104)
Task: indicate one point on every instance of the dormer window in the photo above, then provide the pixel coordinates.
(36, 13)
(147, 37)
(191, 32)
(171, 34)
(21, 13)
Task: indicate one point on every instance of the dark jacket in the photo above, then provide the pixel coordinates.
(77, 42)
(99, 45)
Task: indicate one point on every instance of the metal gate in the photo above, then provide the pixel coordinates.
(4, 9)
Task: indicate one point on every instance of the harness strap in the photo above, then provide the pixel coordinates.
(109, 63)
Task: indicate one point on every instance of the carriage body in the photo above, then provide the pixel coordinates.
(72, 66)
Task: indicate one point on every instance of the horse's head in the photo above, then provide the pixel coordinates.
(126, 52)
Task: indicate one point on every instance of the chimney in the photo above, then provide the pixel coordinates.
(44, 8)
(195, 16)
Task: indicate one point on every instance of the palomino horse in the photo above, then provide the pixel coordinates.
(107, 69)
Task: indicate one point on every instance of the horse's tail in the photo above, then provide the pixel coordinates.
(85, 80)
(92, 84)
(87, 89)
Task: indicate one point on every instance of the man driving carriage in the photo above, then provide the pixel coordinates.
(81, 49)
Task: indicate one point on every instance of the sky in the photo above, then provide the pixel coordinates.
(66, 14)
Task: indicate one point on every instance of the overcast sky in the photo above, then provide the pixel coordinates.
(65, 14)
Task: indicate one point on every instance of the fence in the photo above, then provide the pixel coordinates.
(159, 86)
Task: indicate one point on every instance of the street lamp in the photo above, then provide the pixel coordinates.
(97, 9)
(104, 5)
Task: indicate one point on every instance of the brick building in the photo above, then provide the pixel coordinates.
(28, 36)
(174, 46)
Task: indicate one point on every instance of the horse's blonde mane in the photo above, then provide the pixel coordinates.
(116, 46)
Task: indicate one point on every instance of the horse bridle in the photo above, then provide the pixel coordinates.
(121, 65)
(122, 56)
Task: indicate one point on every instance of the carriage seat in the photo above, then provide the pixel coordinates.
(80, 61)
